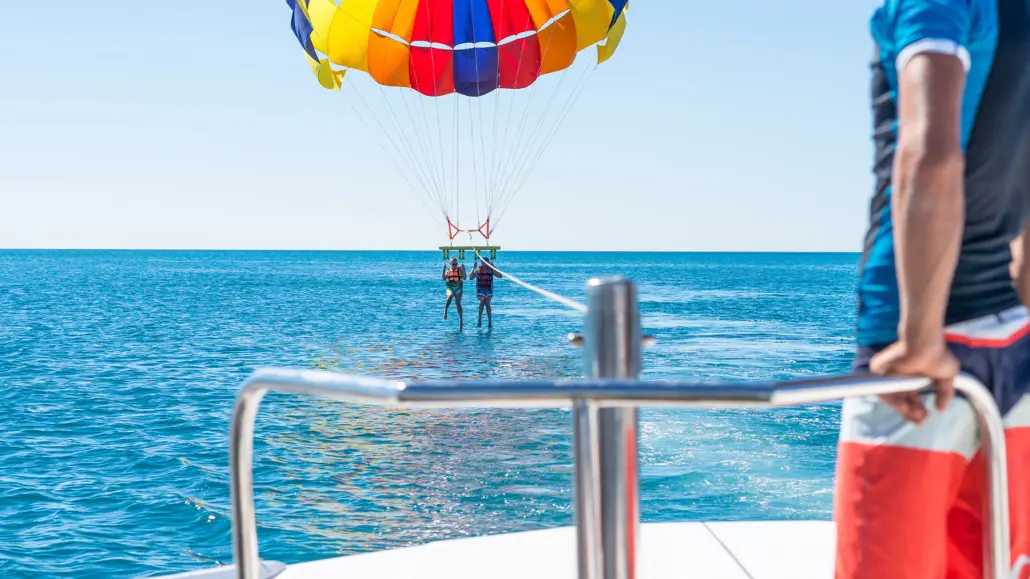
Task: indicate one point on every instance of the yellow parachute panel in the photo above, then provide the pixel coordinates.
(327, 77)
(611, 42)
(592, 19)
(320, 15)
(349, 33)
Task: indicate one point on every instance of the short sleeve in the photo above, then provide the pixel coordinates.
(934, 26)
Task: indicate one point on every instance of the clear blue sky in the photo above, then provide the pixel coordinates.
(728, 125)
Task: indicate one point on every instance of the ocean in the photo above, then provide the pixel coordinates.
(118, 371)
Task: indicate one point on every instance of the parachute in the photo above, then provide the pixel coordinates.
(464, 95)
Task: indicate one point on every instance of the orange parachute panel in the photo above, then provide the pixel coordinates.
(389, 58)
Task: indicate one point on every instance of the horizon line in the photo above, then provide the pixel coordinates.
(437, 250)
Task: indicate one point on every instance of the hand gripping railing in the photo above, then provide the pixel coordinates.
(605, 429)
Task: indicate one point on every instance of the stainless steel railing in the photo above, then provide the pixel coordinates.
(605, 429)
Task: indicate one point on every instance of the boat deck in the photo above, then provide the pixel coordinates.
(740, 550)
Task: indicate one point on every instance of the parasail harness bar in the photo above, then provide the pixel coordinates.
(461, 249)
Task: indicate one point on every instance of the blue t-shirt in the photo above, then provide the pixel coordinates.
(990, 38)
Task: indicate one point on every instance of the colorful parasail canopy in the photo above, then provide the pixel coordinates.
(438, 47)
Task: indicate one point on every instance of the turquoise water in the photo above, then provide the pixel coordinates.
(118, 371)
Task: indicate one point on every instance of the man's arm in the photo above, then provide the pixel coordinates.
(927, 196)
(927, 207)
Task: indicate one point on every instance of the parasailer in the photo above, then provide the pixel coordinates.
(484, 275)
(454, 279)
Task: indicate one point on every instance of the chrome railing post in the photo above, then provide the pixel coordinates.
(996, 493)
(241, 463)
(607, 496)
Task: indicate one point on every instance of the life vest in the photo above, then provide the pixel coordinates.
(454, 275)
(485, 277)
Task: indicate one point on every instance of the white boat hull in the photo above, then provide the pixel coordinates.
(745, 550)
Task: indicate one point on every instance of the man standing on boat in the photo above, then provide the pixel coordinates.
(484, 276)
(951, 108)
(454, 278)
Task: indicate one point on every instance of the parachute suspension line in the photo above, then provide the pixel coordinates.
(457, 137)
(482, 151)
(398, 127)
(457, 153)
(431, 158)
(409, 160)
(406, 154)
(482, 157)
(554, 129)
(415, 127)
(525, 113)
(521, 151)
(536, 148)
(543, 123)
(415, 162)
(439, 137)
(403, 174)
(494, 168)
(441, 170)
(578, 92)
(546, 142)
(504, 158)
(516, 148)
(493, 153)
(472, 148)
(441, 187)
(427, 176)
(420, 193)
(472, 125)
(569, 303)
(493, 132)
(412, 124)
